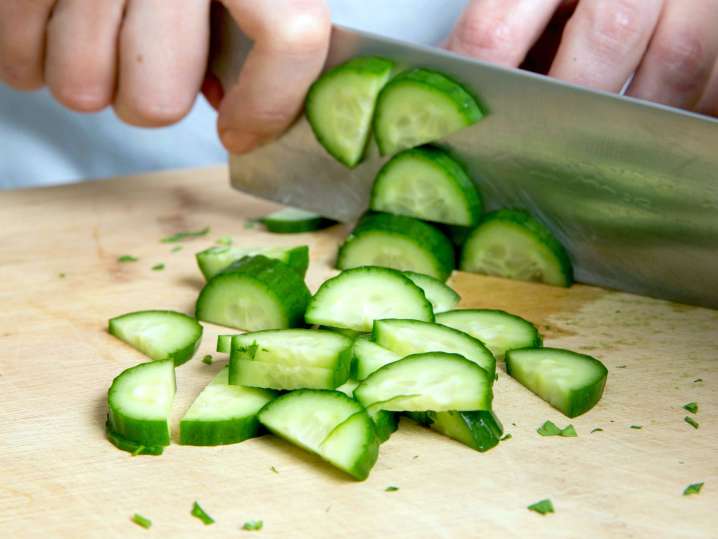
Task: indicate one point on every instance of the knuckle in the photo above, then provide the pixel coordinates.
(683, 55)
(615, 27)
(488, 36)
(304, 29)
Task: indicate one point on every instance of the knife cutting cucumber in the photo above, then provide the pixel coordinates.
(356, 297)
(398, 242)
(420, 106)
(570, 382)
(327, 423)
(254, 293)
(426, 183)
(340, 106)
(223, 413)
(441, 296)
(480, 430)
(215, 259)
(512, 244)
(294, 221)
(385, 423)
(159, 334)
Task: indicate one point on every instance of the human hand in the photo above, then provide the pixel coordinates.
(670, 45)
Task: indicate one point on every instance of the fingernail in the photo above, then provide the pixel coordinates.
(238, 142)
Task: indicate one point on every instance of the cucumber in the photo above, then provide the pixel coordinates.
(254, 293)
(398, 242)
(426, 183)
(570, 382)
(480, 430)
(356, 297)
(352, 334)
(290, 359)
(430, 381)
(498, 330)
(404, 337)
(442, 296)
(215, 259)
(340, 106)
(224, 343)
(512, 244)
(159, 334)
(139, 403)
(120, 442)
(223, 413)
(385, 423)
(294, 221)
(327, 423)
(369, 357)
(420, 106)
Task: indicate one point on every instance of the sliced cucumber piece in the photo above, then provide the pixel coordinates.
(215, 259)
(120, 442)
(139, 403)
(356, 297)
(223, 413)
(159, 334)
(420, 106)
(348, 387)
(327, 423)
(290, 359)
(385, 423)
(352, 334)
(512, 244)
(498, 330)
(340, 106)
(404, 337)
(431, 381)
(442, 296)
(426, 183)
(480, 430)
(370, 357)
(224, 343)
(294, 220)
(570, 382)
(398, 242)
(254, 293)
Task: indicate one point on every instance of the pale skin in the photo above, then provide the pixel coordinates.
(148, 58)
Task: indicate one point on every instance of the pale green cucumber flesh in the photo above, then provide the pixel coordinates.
(370, 357)
(294, 221)
(216, 259)
(385, 423)
(442, 296)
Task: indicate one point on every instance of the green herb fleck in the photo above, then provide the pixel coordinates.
(274, 469)
(61, 275)
(637, 427)
(597, 429)
(253, 525)
(127, 258)
(697, 380)
(543, 507)
(176, 248)
(496, 376)
(505, 437)
(146, 523)
(250, 350)
(692, 422)
(251, 223)
(621, 367)
(158, 267)
(692, 407)
(391, 489)
(693, 488)
(550, 429)
(224, 240)
(415, 457)
(185, 234)
(198, 512)
(207, 360)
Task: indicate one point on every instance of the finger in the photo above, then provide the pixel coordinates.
(681, 54)
(80, 61)
(708, 103)
(604, 42)
(22, 42)
(288, 54)
(501, 31)
(163, 56)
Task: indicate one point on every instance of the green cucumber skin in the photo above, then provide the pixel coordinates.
(361, 469)
(481, 430)
(385, 424)
(296, 257)
(122, 443)
(224, 343)
(211, 433)
(297, 227)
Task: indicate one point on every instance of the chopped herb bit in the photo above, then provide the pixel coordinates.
(692, 422)
(176, 248)
(693, 488)
(496, 376)
(127, 258)
(391, 489)
(692, 407)
(505, 437)
(274, 469)
(637, 427)
(621, 367)
(415, 457)
(569, 432)
(597, 429)
(550, 429)
(543, 507)
(185, 234)
(198, 512)
(697, 380)
(207, 360)
(251, 349)
(224, 240)
(61, 275)
(158, 267)
(146, 523)
(253, 525)
(251, 223)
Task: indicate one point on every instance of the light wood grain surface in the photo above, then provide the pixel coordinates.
(60, 478)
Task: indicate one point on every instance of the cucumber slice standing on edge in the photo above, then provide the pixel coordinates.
(356, 297)
(254, 293)
(398, 242)
(570, 382)
(426, 183)
(420, 106)
(442, 296)
(340, 106)
(215, 259)
(159, 334)
(480, 430)
(294, 221)
(512, 244)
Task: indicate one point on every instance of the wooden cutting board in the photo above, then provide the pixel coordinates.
(59, 477)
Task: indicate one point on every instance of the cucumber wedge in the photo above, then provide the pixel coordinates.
(431, 381)
(223, 413)
(426, 183)
(398, 242)
(215, 259)
(159, 334)
(290, 359)
(254, 293)
(420, 106)
(224, 343)
(352, 334)
(570, 382)
(294, 221)
(512, 244)
(498, 330)
(139, 403)
(404, 337)
(327, 423)
(340, 106)
(480, 430)
(385, 423)
(370, 357)
(356, 297)
(442, 296)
